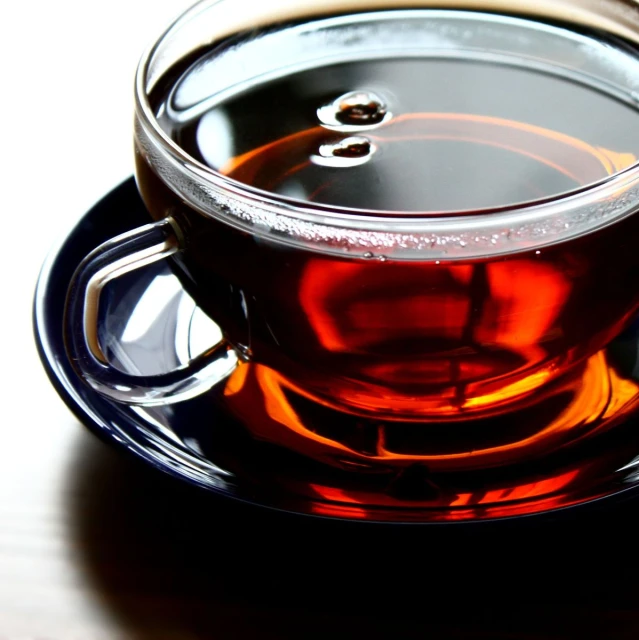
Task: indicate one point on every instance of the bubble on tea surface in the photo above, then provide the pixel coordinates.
(354, 111)
(349, 152)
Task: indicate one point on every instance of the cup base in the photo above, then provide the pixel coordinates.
(517, 463)
(580, 405)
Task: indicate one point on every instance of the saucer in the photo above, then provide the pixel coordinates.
(149, 324)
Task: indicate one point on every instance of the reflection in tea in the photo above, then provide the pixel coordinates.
(422, 133)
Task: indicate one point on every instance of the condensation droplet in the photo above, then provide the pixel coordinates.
(368, 255)
(244, 352)
(349, 152)
(354, 111)
(382, 258)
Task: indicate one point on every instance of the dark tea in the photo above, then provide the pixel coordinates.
(426, 131)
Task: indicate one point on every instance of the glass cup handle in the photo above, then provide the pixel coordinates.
(112, 259)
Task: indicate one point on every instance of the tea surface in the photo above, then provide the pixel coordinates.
(423, 130)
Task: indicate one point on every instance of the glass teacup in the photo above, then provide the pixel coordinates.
(414, 225)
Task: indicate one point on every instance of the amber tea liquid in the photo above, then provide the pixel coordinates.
(418, 132)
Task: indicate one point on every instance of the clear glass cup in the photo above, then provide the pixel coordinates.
(407, 329)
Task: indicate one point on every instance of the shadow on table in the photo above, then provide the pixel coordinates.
(169, 561)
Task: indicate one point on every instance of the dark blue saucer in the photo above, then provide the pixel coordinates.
(148, 321)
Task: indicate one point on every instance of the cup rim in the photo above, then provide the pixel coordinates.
(529, 213)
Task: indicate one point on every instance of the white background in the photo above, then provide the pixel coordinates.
(66, 108)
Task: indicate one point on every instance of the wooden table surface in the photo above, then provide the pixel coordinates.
(96, 546)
